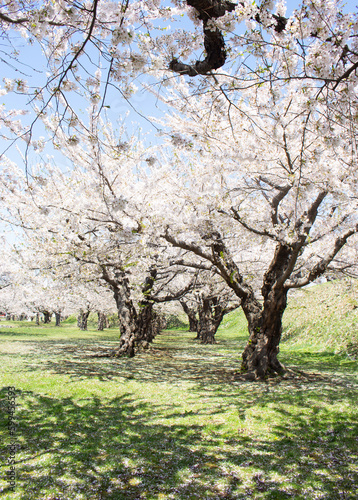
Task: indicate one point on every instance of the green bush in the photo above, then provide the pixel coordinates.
(70, 320)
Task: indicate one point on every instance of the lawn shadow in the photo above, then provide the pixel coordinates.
(176, 359)
(123, 448)
(112, 450)
(81, 359)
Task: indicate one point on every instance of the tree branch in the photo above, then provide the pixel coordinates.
(321, 266)
(7, 19)
(173, 296)
(214, 42)
(186, 246)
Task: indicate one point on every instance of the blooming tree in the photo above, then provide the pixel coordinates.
(259, 185)
(245, 43)
(261, 190)
(91, 225)
(207, 305)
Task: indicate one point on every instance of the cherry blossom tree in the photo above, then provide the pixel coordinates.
(70, 42)
(262, 191)
(91, 225)
(227, 45)
(259, 183)
(206, 306)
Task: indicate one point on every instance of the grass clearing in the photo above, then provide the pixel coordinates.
(173, 423)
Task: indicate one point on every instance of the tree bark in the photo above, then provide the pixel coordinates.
(211, 312)
(82, 320)
(127, 316)
(136, 328)
(101, 321)
(214, 42)
(58, 318)
(259, 358)
(149, 324)
(191, 313)
(47, 317)
(210, 316)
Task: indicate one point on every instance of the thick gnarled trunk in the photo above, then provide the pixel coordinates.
(211, 313)
(82, 320)
(137, 330)
(146, 325)
(127, 316)
(259, 359)
(58, 318)
(47, 317)
(101, 324)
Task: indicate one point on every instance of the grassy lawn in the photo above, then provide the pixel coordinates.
(173, 423)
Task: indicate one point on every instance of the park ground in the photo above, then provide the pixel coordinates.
(175, 422)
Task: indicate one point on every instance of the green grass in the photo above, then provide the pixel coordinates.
(324, 317)
(173, 423)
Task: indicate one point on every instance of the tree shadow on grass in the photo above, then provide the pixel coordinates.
(156, 365)
(113, 450)
(204, 365)
(127, 449)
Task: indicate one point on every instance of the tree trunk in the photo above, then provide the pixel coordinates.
(260, 354)
(101, 321)
(37, 318)
(146, 324)
(259, 358)
(47, 317)
(211, 313)
(58, 318)
(193, 324)
(149, 324)
(191, 313)
(207, 332)
(127, 316)
(136, 329)
(82, 320)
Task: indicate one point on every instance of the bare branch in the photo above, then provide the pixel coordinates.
(238, 218)
(182, 262)
(9, 20)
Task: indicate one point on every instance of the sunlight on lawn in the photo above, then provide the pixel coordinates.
(173, 423)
